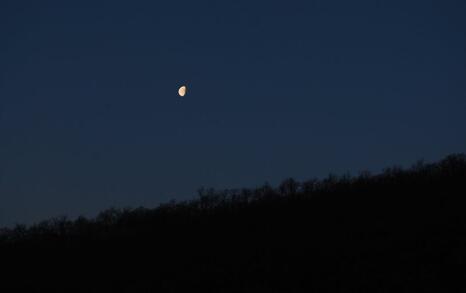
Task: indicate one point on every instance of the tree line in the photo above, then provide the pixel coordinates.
(401, 230)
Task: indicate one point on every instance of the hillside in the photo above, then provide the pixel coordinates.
(399, 231)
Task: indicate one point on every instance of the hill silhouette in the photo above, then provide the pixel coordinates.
(399, 231)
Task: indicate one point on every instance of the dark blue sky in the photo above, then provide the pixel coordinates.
(90, 117)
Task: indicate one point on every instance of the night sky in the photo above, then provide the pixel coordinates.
(90, 117)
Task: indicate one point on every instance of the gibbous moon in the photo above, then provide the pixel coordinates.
(182, 91)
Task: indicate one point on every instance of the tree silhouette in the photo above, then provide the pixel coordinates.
(398, 231)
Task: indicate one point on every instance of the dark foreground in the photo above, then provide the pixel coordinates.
(402, 231)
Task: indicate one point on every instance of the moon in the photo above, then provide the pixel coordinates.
(182, 91)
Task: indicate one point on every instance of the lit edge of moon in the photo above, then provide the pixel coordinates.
(182, 91)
